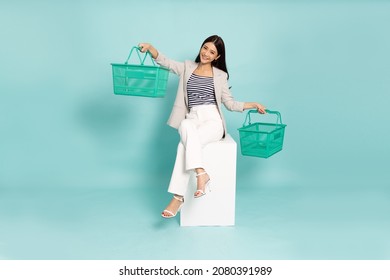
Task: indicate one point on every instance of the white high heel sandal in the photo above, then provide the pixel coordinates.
(207, 187)
(171, 214)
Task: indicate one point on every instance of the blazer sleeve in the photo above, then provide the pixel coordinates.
(228, 99)
(174, 66)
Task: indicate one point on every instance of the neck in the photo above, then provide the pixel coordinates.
(204, 67)
(204, 70)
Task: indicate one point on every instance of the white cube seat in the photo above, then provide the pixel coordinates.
(216, 208)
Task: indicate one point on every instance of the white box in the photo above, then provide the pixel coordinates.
(216, 208)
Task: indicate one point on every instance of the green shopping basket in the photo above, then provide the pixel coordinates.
(139, 79)
(261, 139)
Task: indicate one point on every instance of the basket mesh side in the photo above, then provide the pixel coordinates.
(139, 80)
(261, 140)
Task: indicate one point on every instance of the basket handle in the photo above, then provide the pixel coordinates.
(248, 116)
(141, 61)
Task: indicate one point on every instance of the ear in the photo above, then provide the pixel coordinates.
(217, 57)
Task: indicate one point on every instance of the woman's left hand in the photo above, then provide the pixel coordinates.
(260, 108)
(254, 105)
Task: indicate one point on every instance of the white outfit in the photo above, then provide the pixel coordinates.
(203, 125)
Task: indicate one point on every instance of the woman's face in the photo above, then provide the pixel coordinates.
(208, 53)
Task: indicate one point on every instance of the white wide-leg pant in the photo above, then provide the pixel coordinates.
(202, 125)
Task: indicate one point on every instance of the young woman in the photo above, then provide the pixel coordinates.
(197, 113)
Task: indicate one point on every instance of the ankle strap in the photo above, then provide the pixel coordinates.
(202, 173)
(179, 198)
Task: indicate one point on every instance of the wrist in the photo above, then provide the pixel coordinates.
(250, 105)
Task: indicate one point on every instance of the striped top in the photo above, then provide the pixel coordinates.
(200, 91)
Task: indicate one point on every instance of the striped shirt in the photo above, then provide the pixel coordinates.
(200, 91)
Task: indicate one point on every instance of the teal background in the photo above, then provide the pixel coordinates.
(84, 172)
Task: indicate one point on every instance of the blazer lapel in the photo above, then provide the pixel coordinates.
(217, 83)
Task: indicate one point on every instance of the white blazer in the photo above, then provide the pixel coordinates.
(184, 71)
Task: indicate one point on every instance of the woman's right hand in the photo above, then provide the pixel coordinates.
(146, 47)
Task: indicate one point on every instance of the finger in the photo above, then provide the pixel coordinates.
(141, 47)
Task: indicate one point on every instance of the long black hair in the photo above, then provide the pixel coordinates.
(220, 63)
